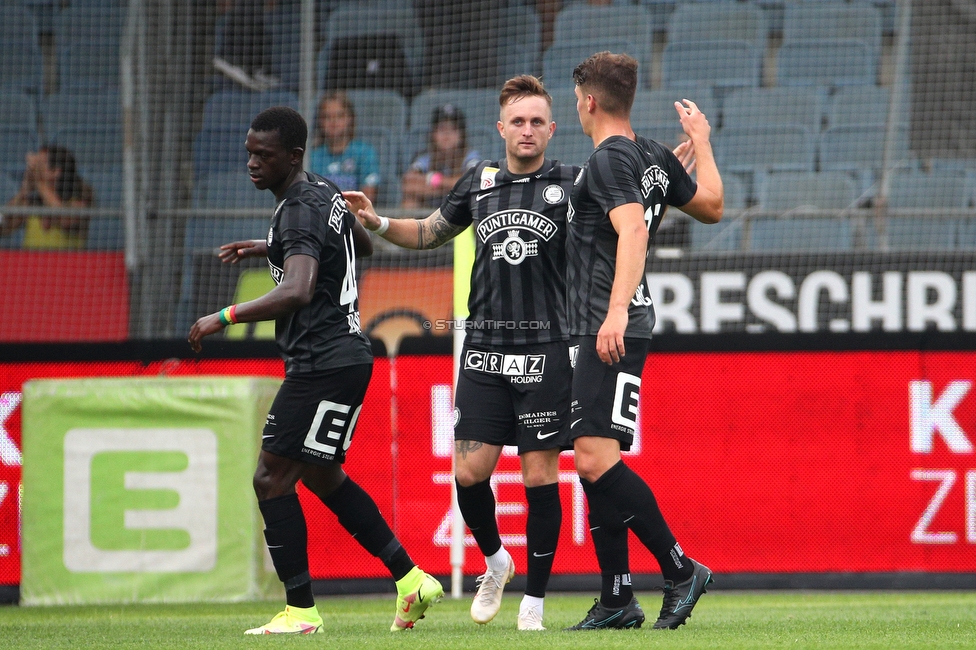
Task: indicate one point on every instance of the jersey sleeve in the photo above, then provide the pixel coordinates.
(456, 206)
(683, 188)
(613, 180)
(302, 229)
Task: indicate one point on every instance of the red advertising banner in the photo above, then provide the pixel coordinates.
(763, 462)
(63, 296)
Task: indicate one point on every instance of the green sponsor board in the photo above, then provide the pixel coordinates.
(139, 490)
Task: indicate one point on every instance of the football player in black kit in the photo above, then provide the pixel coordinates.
(311, 246)
(616, 205)
(513, 386)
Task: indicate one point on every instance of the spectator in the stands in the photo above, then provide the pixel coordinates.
(434, 171)
(336, 153)
(51, 180)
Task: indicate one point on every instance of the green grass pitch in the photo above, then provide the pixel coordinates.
(723, 620)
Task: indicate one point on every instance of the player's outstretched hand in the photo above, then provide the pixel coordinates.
(360, 205)
(204, 326)
(693, 121)
(686, 155)
(234, 252)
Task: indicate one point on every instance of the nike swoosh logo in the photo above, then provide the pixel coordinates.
(542, 554)
(481, 196)
(279, 546)
(574, 423)
(265, 437)
(543, 436)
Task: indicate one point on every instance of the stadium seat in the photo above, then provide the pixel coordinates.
(17, 109)
(522, 51)
(88, 39)
(825, 21)
(655, 107)
(806, 234)
(387, 143)
(8, 187)
(15, 143)
(105, 234)
(283, 23)
(720, 21)
(585, 22)
(719, 64)
(562, 57)
(479, 105)
(826, 62)
(380, 108)
(394, 302)
(229, 109)
(859, 149)
(920, 233)
(74, 107)
(251, 284)
(21, 58)
(356, 19)
(751, 150)
(911, 188)
(782, 191)
(219, 150)
(860, 105)
(724, 237)
(230, 189)
(96, 145)
(760, 106)
(107, 183)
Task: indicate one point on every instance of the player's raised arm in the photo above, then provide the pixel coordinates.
(709, 201)
(419, 234)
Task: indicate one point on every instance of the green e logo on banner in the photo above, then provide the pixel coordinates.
(170, 478)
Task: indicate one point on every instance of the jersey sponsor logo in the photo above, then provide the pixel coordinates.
(276, 273)
(457, 416)
(626, 398)
(514, 249)
(506, 220)
(337, 212)
(553, 194)
(488, 177)
(573, 355)
(519, 368)
(653, 177)
(641, 297)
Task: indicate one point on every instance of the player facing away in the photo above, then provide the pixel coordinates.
(616, 205)
(513, 381)
(310, 248)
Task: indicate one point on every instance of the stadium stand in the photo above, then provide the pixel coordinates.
(803, 107)
(719, 64)
(562, 57)
(788, 190)
(88, 39)
(21, 59)
(522, 51)
(798, 234)
(720, 21)
(585, 22)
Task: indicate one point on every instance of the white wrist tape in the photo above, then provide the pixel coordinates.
(384, 225)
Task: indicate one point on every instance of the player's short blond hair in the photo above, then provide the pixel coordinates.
(524, 85)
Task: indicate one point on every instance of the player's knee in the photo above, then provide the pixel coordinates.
(467, 474)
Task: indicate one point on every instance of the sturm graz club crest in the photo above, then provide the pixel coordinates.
(514, 249)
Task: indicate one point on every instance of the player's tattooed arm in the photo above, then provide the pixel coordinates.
(464, 447)
(435, 231)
